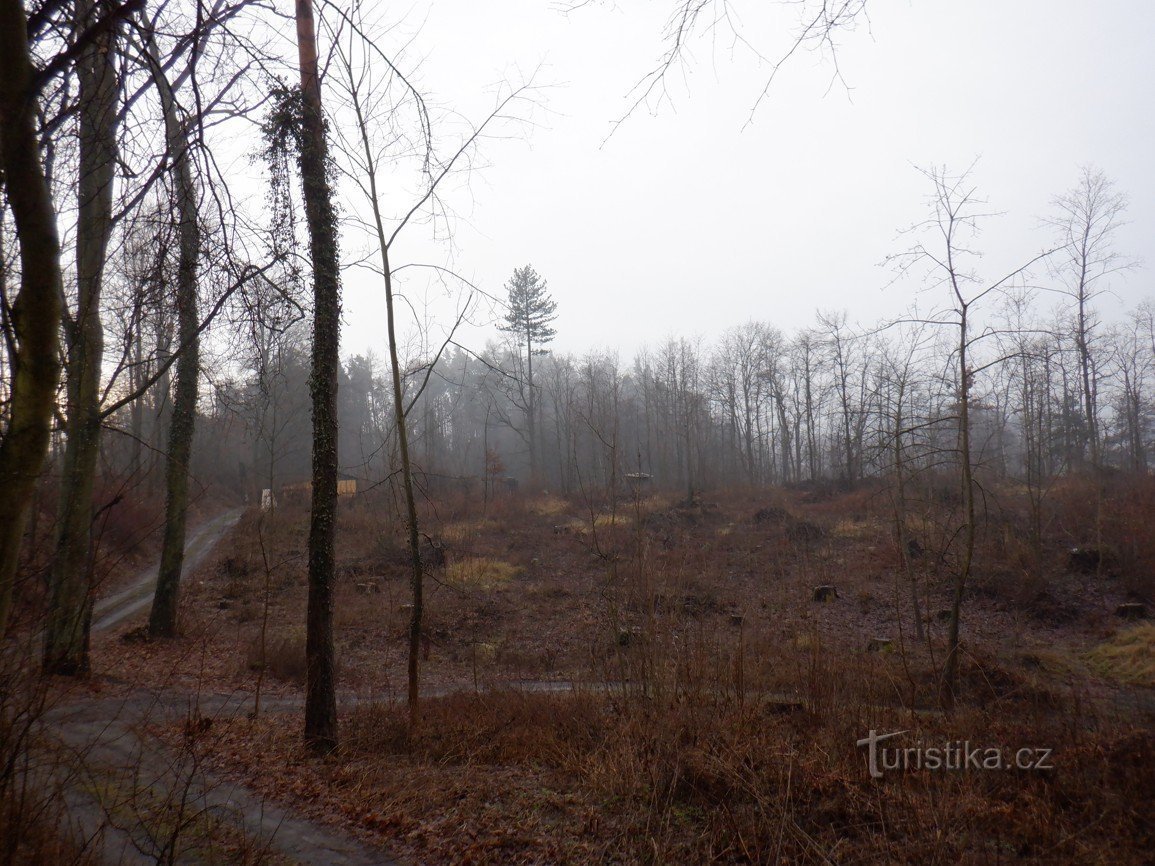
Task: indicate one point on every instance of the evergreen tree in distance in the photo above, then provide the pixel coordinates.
(528, 318)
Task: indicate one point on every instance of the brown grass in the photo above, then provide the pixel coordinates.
(593, 777)
(479, 572)
(1129, 656)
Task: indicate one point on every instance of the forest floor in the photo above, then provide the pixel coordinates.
(650, 680)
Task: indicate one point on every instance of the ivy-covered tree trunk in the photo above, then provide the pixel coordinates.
(35, 365)
(320, 678)
(66, 634)
(162, 621)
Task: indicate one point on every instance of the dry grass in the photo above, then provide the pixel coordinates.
(463, 531)
(283, 656)
(479, 572)
(601, 520)
(857, 529)
(1129, 656)
(547, 506)
(626, 777)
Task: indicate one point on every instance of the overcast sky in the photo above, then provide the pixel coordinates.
(688, 220)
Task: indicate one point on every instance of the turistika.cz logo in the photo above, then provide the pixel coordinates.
(953, 755)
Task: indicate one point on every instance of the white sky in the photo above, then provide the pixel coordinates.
(685, 223)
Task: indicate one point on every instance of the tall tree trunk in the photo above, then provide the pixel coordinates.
(320, 682)
(417, 575)
(66, 634)
(902, 537)
(949, 685)
(36, 308)
(531, 405)
(162, 621)
(1082, 340)
(811, 446)
(136, 378)
(161, 418)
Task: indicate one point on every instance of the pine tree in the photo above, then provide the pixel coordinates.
(531, 310)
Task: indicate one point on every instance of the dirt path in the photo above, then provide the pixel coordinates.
(142, 801)
(117, 607)
(133, 799)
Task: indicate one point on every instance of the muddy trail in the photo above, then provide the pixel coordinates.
(116, 608)
(134, 799)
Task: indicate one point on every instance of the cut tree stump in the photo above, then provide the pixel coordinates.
(825, 593)
(1132, 610)
(629, 636)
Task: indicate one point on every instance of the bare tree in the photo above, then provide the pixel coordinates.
(738, 371)
(32, 318)
(954, 220)
(1086, 219)
(66, 650)
(816, 28)
(178, 135)
(896, 398)
(1134, 363)
(843, 355)
(805, 351)
(357, 62)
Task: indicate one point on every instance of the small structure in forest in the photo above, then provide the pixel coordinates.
(638, 481)
(825, 593)
(880, 645)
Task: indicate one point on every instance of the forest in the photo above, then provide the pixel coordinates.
(351, 512)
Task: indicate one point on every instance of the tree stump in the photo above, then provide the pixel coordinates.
(629, 636)
(1131, 610)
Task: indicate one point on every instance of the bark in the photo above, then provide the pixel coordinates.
(811, 446)
(949, 685)
(162, 621)
(902, 537)
(161, 418)
(66, 633)
(417, 576)
(36, 309)
(1082, 342)
(320, 682)
(136, 377)
(531, 406)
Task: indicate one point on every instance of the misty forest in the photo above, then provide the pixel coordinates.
(696, 431)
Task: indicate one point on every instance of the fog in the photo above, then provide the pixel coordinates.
(706, 207)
